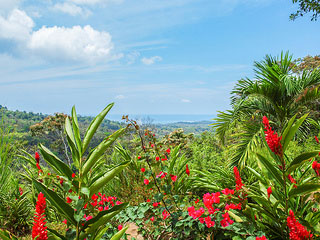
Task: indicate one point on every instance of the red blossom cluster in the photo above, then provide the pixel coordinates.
(296, 230)
(239, 183)
(316, 167)
(165, 214)
(261, 238)
(292, 180)
(39, 229)
(272, 138)
(269, 191)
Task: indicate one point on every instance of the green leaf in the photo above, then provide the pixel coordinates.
(6, 235)
(85, 191)
(54, 162)
(300, 159)
(271, 169)
(71, 142)
(99, 150)
(56, 233)
(93, 127)
(258, 175)
(119, 234)
(304, 189)
(100, 182)
(76, 131)
(56, 201)
(291, 131)
(103, 217)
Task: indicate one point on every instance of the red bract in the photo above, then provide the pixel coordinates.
(227, 191)
(157, 158)
(272, 138)
(37, 157)
(261, 238)
(269, 191)
(209, 222)
(146, 181)
(226, 221)
(155, 204)
(187, 170)
(210, 199)
(161, 175)
(69, 200)
(20, 191)
(233, 206)
(165, 214)
(316, 167)
(168, 151)
(64, 221)
(139, 157)
(296, 230)
(39, 229)
(143, 169)
(292, 180)
(239, 183)
(195, 213)
(152, 219)
(316, 138)
(73, 175)
(173, 178)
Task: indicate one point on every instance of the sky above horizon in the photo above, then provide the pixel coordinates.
(147, 56)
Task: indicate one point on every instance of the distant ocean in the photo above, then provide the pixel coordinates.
(164, 118)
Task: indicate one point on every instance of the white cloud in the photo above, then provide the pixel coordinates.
(76, 43)
(185, 101)
(71, 9)
(151, 60)
(132, 57)
(17, 26)
(119, 97)
(7, 5)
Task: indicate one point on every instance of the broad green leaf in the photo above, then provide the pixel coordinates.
(119, 234)
(54, 162)
(56, 201)
(93, 127)
(258, 175)
(173, 157)
(71, 142)
(271, 169)
(100, 233)
(300, 159)
(291, 132)
(235, 217)
(304, 189)
(56, 234)
(288, 127)
(100, 182)
(99, 150)
(76, 131)
(85, 191)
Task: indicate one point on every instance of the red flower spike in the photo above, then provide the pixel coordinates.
(168, 150)
(37, 157)
(187, 170)
(316, 138)
(272, 138)
(69, 200)
(239, 183)
(39, 229)
(269, 191)
(296, 230)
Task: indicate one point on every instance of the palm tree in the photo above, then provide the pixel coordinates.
(276, 92)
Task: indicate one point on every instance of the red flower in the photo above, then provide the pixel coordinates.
(37, 157)
(152, 219)
(292, 180)
(65, 221)
(239, 183)
(226, 221)
(165, 214)
(73, 175)
(227, 191)
(296, 230)
(269, 191)
(20, 191)
(157, 158)
(69, 200)
(143, 169)
(161, 175)
(146, 181)
(187, 170)
(148, 200)
(139, 157)
(316, 167)
(173, 178)
(317, 140)
(39, 229)
(38, 166)
(272, 138)
(155, 204)
(168, 151)
(209, 222)
(196, 201)
(164, 159)
(261, 238)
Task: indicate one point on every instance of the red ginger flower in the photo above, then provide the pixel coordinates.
(39, 229)
(292, 180)
(316, 138)
(316, 167)
(187, 170)
(272, 138)
(296, 230)
(269, 191)
(37, 157)
(239, 183)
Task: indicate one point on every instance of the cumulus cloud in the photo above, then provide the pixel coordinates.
(151, 60)
(18, 26)
(76, 43)
(185, 100)
(71, 8)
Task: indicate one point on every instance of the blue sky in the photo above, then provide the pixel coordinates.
(147, 56)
